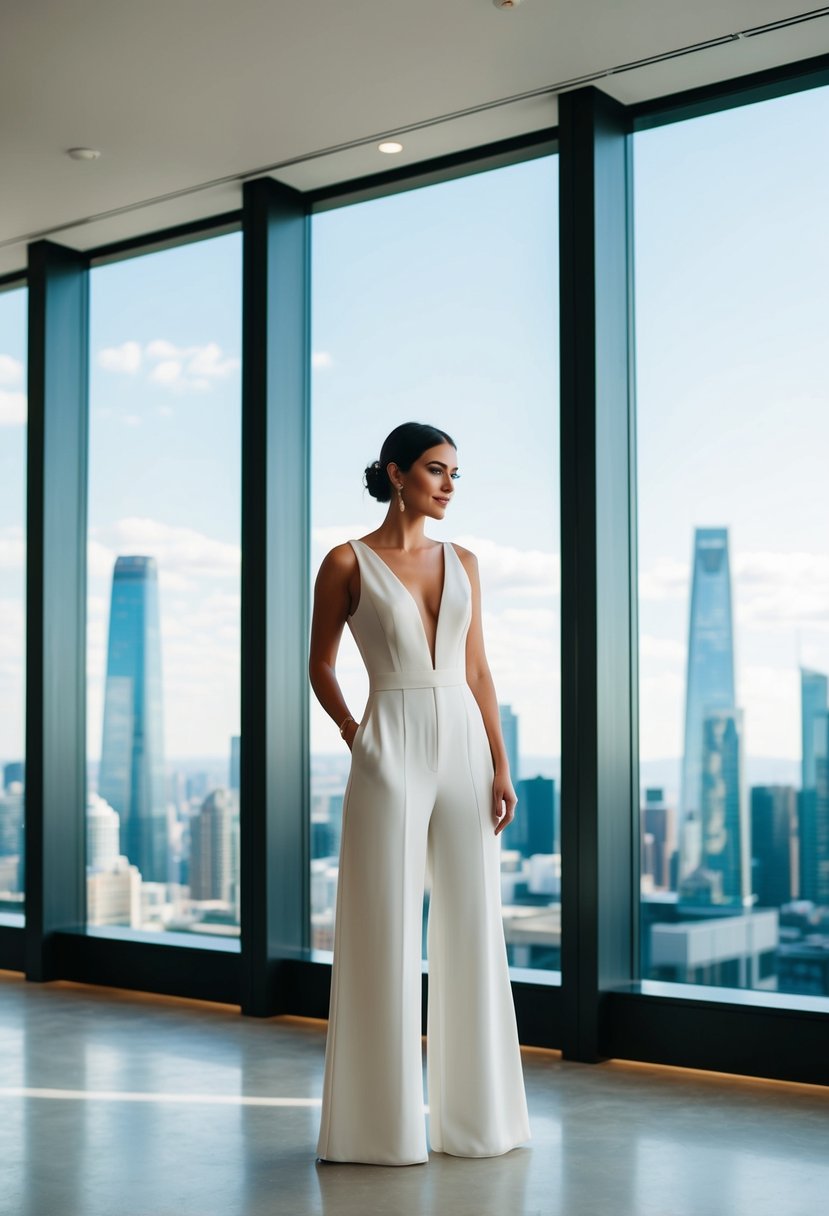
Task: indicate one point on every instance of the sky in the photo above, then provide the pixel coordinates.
(441, 305)
(732, 295)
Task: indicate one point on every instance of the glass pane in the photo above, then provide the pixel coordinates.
(13, 306)
(164, 590)
(732, 292)
(428, 306)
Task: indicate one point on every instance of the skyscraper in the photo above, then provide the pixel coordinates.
(235, 750)
(814, 695)
(774, 844)
(131, 777)
(14, 771)
(710, 678)
(814, 698)
(724, 873)
(814, 832)
(656, 825)
(535, 822)
(211, 849)
(103, 845)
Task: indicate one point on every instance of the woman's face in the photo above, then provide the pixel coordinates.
(428, 486)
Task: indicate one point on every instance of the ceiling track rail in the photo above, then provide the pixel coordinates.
(549, 90)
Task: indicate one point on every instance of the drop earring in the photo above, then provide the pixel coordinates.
(400, 501)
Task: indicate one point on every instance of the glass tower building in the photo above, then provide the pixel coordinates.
(131, 779)
(710, 678)
(814, 818)
(726, 850)
(814, 695)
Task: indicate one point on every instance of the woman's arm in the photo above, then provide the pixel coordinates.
(479, 679)
(332, 604)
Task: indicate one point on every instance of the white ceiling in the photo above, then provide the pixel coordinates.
(187, 98)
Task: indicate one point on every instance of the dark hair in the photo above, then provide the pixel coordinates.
(403, 446)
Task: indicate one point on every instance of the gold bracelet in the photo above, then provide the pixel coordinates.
(342, 728)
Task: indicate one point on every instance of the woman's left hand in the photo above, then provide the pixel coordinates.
(504, 801)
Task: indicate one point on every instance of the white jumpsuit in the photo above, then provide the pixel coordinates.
(420, 789)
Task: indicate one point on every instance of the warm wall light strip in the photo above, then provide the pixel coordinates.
(545, 90)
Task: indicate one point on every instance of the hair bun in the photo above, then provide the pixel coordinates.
(377, 481)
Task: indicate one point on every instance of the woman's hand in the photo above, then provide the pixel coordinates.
(504, 801)
(350, 731)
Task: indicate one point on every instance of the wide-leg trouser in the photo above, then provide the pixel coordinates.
(420, 791)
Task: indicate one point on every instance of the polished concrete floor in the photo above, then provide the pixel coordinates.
(115, 1103)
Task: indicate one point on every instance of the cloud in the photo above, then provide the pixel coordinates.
(770, 697)
(11, 370)
(664, 649)
(184, 556)
(180, 368)
(12, 675)
(787, 590)
(12, 548)
(666, 580)
(124, 358)
(189, 368)
(13, 407)
(167, 371)
(12, 632)
(661, 714)
(160, 348)
(771, 589)
(523, 646)
(531, 572)
(325, 539)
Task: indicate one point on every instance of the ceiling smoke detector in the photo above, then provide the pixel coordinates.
(83, 153)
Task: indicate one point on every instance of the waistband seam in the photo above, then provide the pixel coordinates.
(441, 677)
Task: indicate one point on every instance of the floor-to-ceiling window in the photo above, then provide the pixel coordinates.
(440, 305)
(732, 295)
(13, 344)
(162, 816)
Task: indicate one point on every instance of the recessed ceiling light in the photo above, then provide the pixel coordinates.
(83, 153)
(390, 146)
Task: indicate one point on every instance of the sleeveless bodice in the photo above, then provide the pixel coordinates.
(388, 628)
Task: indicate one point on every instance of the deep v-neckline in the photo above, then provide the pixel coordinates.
(400, 583)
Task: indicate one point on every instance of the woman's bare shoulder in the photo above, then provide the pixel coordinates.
(343, 552)
(341, 561)
(464, 554)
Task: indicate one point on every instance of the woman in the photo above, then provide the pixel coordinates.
(429, 785)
